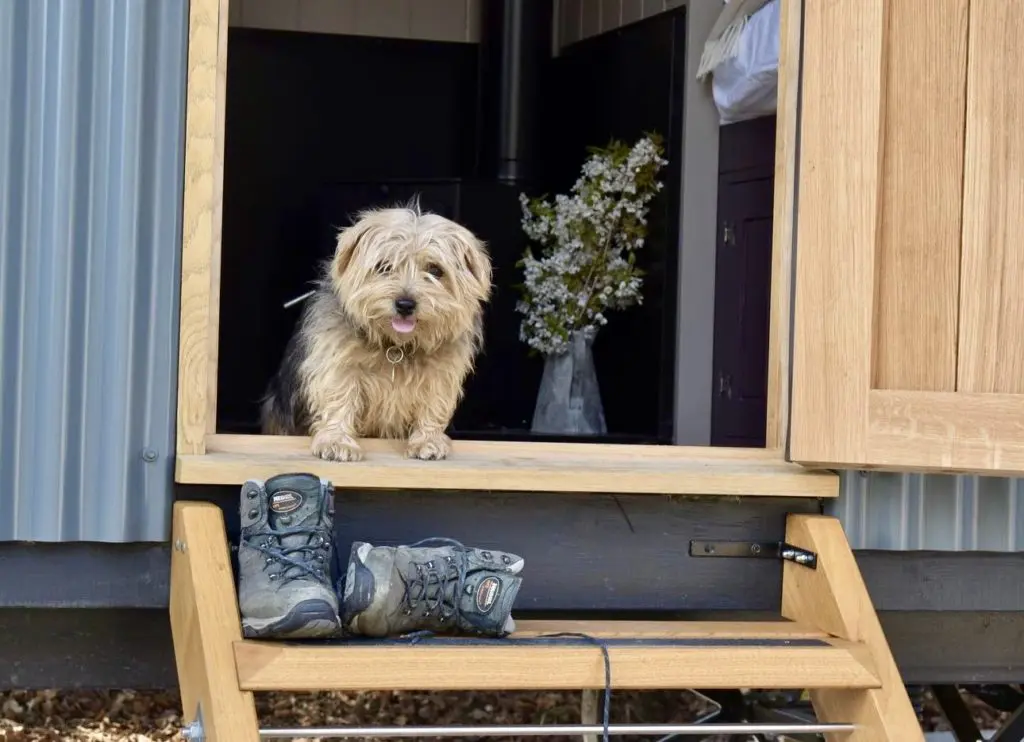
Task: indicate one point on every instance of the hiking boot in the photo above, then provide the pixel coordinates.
(285, 553)
(392, 590)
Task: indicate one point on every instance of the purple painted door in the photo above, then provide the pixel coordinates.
(743, 284)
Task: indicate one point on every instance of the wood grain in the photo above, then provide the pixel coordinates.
(991, 357)
(917, 268)
(201, 223)
(500, 666)
(954, 432)
(597, 452)
(876, 288)
(213, 322)
(783, 219)
(941, 432)
(673, 629)
(837, 226)
(833, 597)
(505, 466)
(204, 624)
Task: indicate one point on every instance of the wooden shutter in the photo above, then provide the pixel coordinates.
(908, 338)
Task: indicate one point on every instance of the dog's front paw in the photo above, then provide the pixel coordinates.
(334, 446)
(429, 447)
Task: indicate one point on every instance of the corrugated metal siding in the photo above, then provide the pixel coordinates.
(931, 511)
(91, 126)
(91, 142)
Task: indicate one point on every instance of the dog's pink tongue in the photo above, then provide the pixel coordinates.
(403, 324)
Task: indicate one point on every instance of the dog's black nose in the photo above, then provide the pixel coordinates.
(405, 306)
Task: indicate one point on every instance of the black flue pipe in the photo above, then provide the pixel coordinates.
(515, 44)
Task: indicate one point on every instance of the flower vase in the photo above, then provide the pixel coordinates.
(569, 399)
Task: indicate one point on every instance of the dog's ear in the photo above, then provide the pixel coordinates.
(478, 263)
(346, 248)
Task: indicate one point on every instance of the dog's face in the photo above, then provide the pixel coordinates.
(411, 277)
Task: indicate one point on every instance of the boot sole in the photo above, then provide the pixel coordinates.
(310, 619)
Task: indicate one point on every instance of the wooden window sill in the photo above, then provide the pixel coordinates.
(507, 466)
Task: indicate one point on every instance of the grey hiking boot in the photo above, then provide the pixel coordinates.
(285, 555)
(440, 588)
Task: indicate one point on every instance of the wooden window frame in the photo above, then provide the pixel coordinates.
(205, 457)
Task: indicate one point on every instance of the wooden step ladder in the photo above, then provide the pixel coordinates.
(828, 640)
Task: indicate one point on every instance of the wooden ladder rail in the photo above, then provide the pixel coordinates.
(830, 598)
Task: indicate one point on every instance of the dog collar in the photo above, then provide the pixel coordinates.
(395, 354)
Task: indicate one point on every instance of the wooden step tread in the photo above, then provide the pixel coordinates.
(510, 466)
(643, 655)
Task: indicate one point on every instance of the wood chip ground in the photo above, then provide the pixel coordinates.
(137, 716)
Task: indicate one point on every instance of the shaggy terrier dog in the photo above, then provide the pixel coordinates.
(387, 339)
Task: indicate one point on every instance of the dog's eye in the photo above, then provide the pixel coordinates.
(435, 270)
(383, 267)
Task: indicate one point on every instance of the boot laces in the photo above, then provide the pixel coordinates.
(269, 543)
(428, 583)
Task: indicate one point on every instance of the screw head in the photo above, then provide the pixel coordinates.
(149, 454)
(755, 548)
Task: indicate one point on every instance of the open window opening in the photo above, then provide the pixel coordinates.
(331, 108)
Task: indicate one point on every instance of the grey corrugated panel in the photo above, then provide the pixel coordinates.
(931, 511)
(91, 143)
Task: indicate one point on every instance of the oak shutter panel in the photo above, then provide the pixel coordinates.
(908, 345)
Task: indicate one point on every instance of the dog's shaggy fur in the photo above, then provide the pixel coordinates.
(403, 284)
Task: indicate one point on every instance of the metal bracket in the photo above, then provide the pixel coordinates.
(754, 550)
(194, 731)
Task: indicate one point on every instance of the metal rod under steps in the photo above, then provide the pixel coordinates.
(541, 730)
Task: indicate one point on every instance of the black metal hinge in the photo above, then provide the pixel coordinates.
(754, 550)
(728, 234)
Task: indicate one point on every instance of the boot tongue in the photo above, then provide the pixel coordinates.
(294, 501)
(486, 601)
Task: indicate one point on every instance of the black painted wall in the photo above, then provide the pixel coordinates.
(622, 84)
(304, 113)
(320, 126)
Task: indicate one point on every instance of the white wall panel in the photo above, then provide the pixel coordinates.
(581, 19)
(433, 20)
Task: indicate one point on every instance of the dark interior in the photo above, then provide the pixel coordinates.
(320, 126)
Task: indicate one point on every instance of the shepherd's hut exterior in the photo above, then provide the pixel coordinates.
(858, 223)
